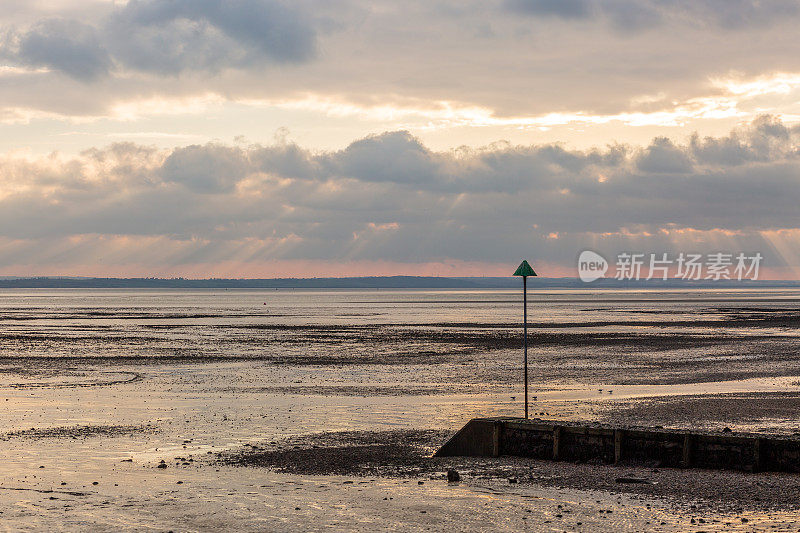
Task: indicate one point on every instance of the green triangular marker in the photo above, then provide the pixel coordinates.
(524, 269)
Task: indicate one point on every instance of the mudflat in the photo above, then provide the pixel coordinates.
(302, 410)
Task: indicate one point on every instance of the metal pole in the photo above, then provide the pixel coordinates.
(525, 334)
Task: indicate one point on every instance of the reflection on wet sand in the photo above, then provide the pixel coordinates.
(102, 386)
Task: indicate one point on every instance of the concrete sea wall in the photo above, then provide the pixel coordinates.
(558, 441)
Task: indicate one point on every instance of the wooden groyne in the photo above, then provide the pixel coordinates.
(562, 441)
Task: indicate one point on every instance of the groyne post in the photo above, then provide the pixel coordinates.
(618, 436)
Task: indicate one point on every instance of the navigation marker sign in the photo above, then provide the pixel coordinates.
(525, 270)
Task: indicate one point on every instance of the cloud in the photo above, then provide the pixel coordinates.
(390, 198)
(636, 15)
(736, 14)
(65, 45)
(566, 9)
(393, 157)
(172, 36)
(167, 37)
(627, 16)
(208, 169)
(359, 67)
(766, 138)
(664, 157)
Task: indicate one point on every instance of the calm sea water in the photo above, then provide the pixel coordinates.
(365, 306)
(244, 323)
(375, 326)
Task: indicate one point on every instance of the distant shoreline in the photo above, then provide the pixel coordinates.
(379, 282)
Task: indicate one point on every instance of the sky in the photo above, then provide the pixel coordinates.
(261, 138)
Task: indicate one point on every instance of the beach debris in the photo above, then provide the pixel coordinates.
(727, 430)
(512, 480)
(162, 464)
(453, 476)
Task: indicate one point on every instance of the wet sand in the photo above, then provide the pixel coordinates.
(408, 454)
(773, 412)
(271, 452)
(270, 421)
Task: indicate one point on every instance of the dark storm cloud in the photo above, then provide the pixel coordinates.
(168, 37)
(388, 197)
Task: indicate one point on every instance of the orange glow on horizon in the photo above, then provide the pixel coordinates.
(327, 269)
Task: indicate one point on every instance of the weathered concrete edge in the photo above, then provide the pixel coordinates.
(491, 437)
(478, 438)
